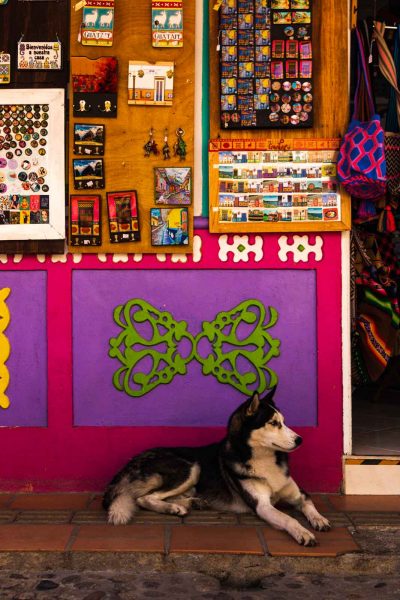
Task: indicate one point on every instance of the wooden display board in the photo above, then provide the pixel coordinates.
(330, 92)
(125, 165)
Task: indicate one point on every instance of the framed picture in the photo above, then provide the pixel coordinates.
(169, 226)
(89, 139)
(85, 220)
(32, 165)
(173, 185)
(88, 173)
(123, 216)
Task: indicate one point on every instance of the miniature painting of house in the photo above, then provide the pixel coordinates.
(150, 83)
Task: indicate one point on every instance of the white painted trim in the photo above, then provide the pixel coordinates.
(346, 343)
(198, 109)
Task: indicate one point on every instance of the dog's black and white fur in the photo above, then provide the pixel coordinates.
(246, 471)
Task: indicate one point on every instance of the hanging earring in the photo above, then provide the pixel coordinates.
(166, 150)
(150, 146)
(180, 145)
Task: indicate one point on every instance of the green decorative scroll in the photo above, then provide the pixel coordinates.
(255, 349)
(150, 347)
(132, 347)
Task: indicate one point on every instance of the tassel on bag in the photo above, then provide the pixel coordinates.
(386, 221)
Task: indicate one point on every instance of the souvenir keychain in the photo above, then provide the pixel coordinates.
(150, 146)
(166, 150)
(5, 67)
(180, 145)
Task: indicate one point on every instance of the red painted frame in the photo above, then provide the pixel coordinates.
(63, 457)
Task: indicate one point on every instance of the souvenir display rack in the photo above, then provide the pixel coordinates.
(125, 165)
(276, 185)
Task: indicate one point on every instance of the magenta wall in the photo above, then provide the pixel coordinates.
(77, 432)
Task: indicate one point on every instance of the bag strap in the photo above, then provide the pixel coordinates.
(386, 64)
(363, 94)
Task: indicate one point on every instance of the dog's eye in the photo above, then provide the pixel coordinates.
(274, 423)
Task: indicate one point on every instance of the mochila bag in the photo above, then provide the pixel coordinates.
(389, 68)
(361, 161)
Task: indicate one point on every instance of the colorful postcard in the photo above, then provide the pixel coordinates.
(88, 173)
(173, 185)
(169, 226)
(89, 139)
(151, 83)
(123, 216)
(85, 220)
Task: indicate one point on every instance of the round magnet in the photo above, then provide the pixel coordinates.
(289, 31)
(29, 115)
(12, 164)
(13, 144)
(286, 108)
(303, 116)
(45, 115)
(22, 144)
(34, 144)
(36, 124)
(296, 86)
(276, 85)
(26, 165)
(294, 119)
(27, 137)
(18, 152)
(296, 107)
(35, 135)
(9, 137)
(6, 145)
(42, 172)
(22, 176)
(27, 107)
(32, 176)
(28, 151)
(45, 107)
(235, 117)
(284, 119)
(26, 186)
(3, 162)
(13, 108)
(44, 123)
(35, 187)
(296, 97)
(3, 188)
(7, 130)
(286, 98)
(308, 107)
(307, 97)
(40, 180)
(42, 151)
(9, 155)
(273, 117)
(36, 115)
(275, 108)
(306, 86)
(42, 142)
(45, 188)
(43, 132)
(36, 107)
(286, 85)
(302, 32)
(274, 97)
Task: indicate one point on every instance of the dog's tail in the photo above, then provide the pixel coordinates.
(119, 499)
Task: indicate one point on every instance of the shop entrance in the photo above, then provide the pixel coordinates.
(375, 291)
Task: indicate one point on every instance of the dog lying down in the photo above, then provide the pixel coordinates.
(247, 471)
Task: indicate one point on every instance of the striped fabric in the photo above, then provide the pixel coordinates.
(386, 62)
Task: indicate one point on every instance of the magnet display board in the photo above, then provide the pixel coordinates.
(276, 185)
(125, 166)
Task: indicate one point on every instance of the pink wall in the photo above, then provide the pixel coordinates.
(63, 457)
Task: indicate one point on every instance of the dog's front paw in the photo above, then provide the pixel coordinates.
(320, 523)
(177, 509)
(303, 536)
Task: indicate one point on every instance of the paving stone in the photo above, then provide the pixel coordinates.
(89, 516)
(7, 516)
(210, 517)
(43, 516)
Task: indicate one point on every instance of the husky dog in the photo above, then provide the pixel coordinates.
(245, 472)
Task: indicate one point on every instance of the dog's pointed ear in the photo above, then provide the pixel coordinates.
(269, 398)
(254, 405)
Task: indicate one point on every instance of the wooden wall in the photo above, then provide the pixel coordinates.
(124, 162)
(330, 90)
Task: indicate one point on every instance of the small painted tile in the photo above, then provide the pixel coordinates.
(50, 501)
(366, 503)
(110, 538)
(217, 539)
(34, 538)
(330, 543)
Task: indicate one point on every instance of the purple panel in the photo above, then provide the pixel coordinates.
(27, 364)
(193, 296)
